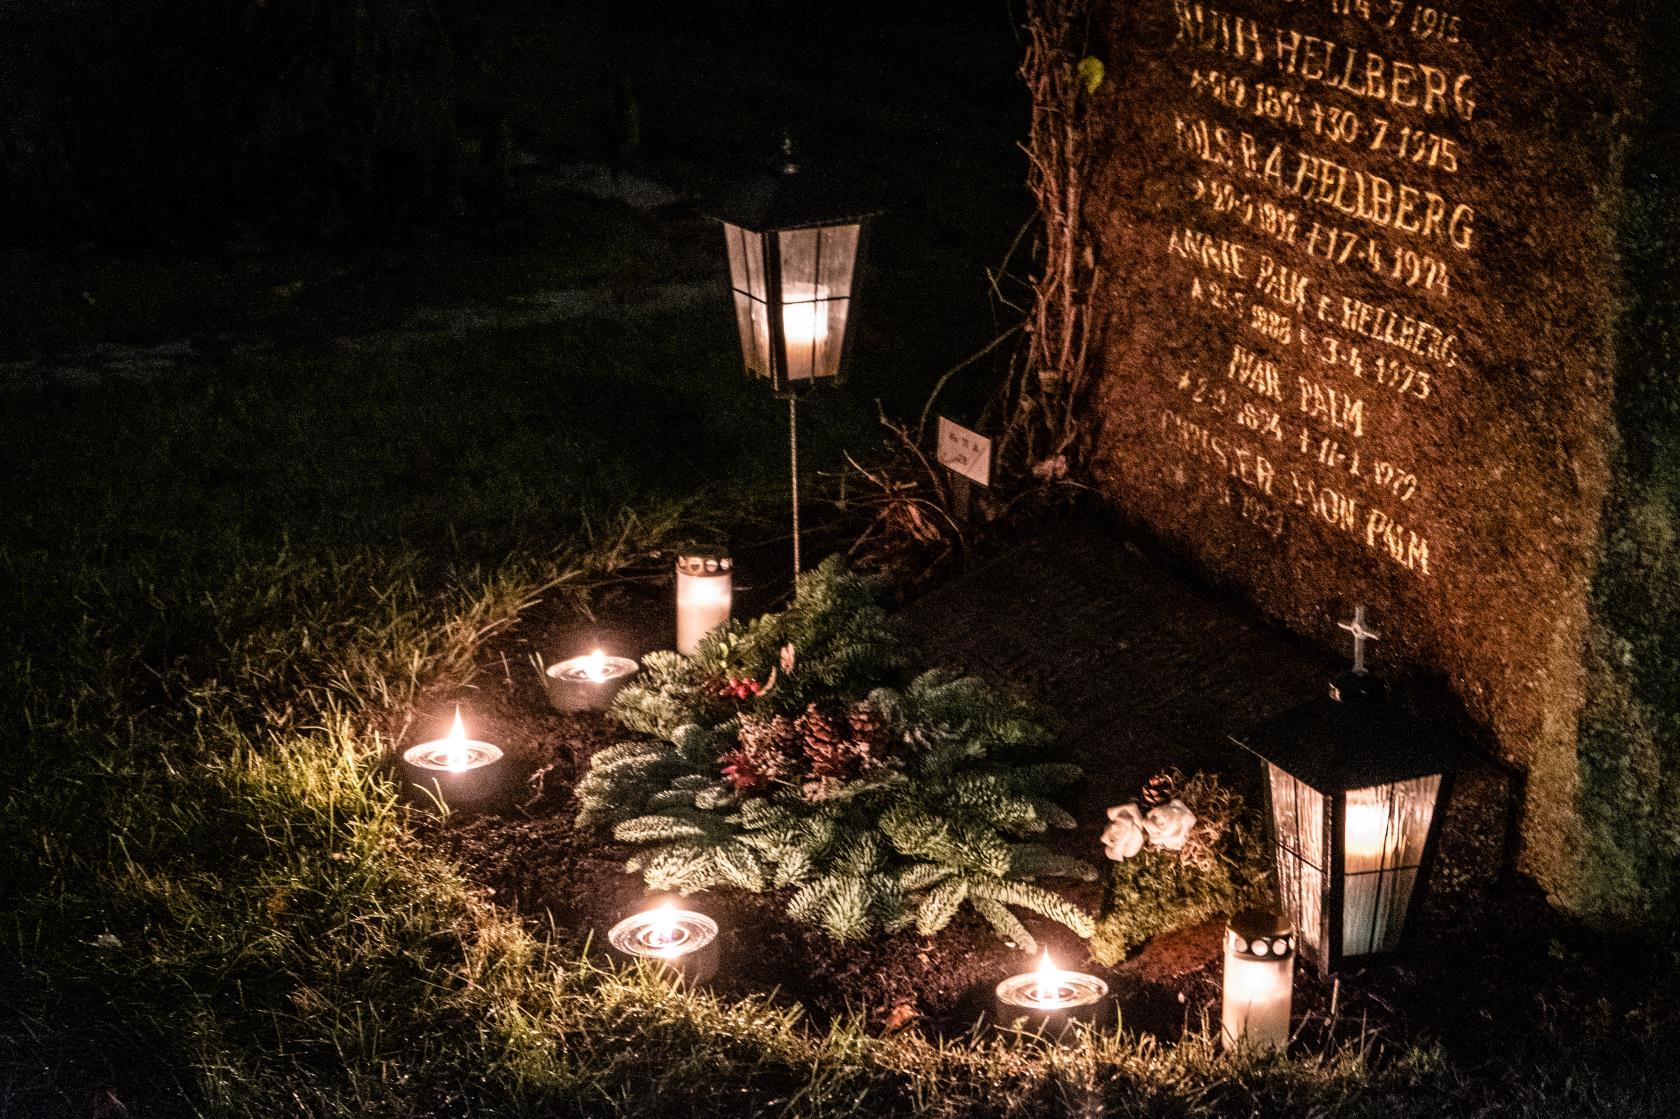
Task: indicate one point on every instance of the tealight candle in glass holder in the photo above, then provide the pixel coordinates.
(456, 772)
(681, 941)
(587, 683)
(1048, 999)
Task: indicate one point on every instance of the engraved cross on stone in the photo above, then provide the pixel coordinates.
(1360, 636)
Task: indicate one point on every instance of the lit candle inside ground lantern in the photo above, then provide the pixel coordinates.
(681, 941)
(804, 319)
(1371, 839)
(1259, 980)
(1368, 838)
(460, 773)
(587, 683)
(705, 592)
(1048, 998)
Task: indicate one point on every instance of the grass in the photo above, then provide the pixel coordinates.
(215, 907)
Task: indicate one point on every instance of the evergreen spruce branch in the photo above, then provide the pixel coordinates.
(661, 829)
(792, 867)
(992, 797)
(1049, 775)
(682, 867)
(889, 907)
(1030, 860)
(669, 799)
(1044, 902)
(739, 866)
(920, 876)
(939, 906)
(700, 745)
(715, 797)
(808, 900)
(846, 910)
(912, 830)
(655, 701)
(1007, 925)
(981, 850)
(1053, 814)
(857, 852)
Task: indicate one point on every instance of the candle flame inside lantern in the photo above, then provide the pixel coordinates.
(595, 666)
(805, 315)
(455, 746)
(1368, 833)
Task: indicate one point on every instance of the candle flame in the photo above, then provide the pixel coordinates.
(1044, 979)
(595, 666)
(1369, 836)
(455, 745)
(663, 927)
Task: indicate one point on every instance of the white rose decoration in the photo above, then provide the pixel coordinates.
(1124, 835)
(1169, 824)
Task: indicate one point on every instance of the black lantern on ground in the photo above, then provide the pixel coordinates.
(795, 240)
(1358, 787)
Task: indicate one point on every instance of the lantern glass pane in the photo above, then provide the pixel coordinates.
(1302, 861)
(1386, 829)
(752, 312)
(817, 269)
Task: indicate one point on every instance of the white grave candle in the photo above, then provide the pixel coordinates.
(1259, 981)
(705, 593)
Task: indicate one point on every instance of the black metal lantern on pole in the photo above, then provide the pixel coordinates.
(1358, 788)
(795, 240)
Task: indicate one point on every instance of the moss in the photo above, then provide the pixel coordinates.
(1629, 748)
(1224, 866)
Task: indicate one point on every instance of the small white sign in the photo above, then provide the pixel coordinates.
(965, 452)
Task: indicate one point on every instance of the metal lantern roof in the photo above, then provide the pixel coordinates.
(1335, 745)
(790, 196)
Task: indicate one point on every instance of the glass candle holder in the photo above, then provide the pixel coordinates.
(1048, 999)
(681, 942)
(455, 772)
(705, 593)
(1259, 981)
(587, 683)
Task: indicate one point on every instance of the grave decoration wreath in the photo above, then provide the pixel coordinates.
(798, 752)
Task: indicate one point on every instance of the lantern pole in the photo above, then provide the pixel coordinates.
(793, 476)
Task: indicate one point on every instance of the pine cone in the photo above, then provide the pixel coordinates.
(763, 755)
(777, 735)
(1158, 790)
(816, 732)
(867, 728)
(833, 758)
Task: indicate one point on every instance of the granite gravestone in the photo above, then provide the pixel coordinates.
(1380, 311)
